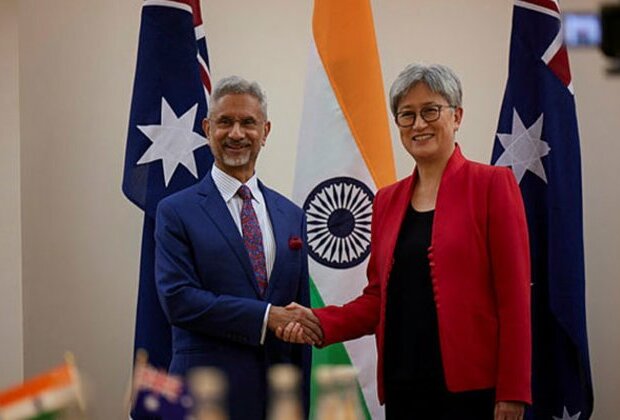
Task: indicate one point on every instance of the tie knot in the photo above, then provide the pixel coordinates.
(244, 192)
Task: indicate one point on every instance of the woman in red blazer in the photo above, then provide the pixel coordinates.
(448, 292)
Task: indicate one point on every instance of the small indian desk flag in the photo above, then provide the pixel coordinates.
(45, 396)
(344, 155)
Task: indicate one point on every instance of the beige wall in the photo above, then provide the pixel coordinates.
(11, 331)
(81, 238)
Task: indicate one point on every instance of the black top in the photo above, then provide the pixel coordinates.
(412, 354)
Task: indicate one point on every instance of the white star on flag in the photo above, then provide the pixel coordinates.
(151, 403)
(523, 148)
(566, 416)
(173, 141)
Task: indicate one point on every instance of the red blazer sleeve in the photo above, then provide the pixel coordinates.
(510, 264)
(360, 316)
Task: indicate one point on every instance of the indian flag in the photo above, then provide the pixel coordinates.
(344, 155)
(44, 396)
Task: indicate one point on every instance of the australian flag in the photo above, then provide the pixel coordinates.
(166, 149)
(537, 137)
(155, 394)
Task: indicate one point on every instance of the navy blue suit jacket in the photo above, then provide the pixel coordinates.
(208, 291)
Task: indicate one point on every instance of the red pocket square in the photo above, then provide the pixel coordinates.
(295, 242)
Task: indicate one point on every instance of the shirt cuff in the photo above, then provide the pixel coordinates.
(263, 331)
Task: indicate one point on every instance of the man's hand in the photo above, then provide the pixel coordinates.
(509, 410)
(295, 323)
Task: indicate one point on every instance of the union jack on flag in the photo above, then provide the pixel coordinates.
(166, 149)
(158, 395)
(151, 379)
(538, 138)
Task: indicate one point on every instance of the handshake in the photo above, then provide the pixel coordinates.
(295, 324)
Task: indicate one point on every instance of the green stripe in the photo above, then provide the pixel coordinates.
(336, 354)
(50, 415)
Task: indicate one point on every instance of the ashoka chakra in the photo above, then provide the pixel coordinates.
(339, 211)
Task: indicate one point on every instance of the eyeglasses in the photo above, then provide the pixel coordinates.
(429, 114)
(226, 123)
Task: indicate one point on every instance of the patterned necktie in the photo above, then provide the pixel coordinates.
(253, 238)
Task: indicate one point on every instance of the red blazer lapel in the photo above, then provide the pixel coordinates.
(392, 204)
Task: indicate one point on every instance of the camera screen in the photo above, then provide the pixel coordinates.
(582, 29)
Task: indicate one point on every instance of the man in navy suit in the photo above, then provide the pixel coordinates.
(230, 255)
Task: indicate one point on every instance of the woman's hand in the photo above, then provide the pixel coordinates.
(305, 328)
(509, 410)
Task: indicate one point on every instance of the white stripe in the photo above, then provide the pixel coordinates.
(19, 410)
(199, 31)
(537, 8)
(553, 48)
(59, 398)
(167, 3)
(327, 149)
(203, 64)
(45, 401)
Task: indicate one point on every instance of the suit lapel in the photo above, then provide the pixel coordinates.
(279, 226)
(402, 201)
(214, 206)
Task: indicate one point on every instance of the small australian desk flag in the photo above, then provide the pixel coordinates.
(537, 136)
(166, 148)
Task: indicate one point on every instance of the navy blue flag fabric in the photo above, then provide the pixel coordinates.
(166, 149)
(537, 137)
(151, 405)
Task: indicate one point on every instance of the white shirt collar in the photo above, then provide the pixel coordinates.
(228, 185)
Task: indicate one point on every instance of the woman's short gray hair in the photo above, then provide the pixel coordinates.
(439, 79)
(235, 85)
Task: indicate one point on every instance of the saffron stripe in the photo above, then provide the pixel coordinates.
(345, 39)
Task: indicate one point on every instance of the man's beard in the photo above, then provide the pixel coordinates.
(238, 160)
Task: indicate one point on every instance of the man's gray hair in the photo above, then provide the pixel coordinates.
(235, 85)
(439, 79)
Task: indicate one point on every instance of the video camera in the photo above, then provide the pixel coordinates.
(598, 30)
(610, 30)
